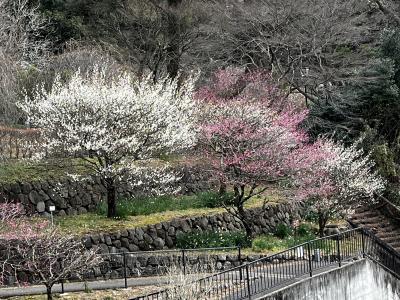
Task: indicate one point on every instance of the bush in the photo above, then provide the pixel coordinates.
(213, 199)
(284, 238)
(210, 239)
(267, 242)
(304, 229)
(282, 231)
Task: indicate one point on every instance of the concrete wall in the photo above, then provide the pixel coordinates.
(362, 280)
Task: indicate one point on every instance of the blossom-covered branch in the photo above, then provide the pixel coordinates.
(249, 132)
(338, 182)
(111, 124)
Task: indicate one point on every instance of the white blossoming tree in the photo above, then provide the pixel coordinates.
(113, 124)
(342, 180)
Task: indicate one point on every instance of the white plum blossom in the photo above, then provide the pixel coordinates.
(111, 124)
(344, 179)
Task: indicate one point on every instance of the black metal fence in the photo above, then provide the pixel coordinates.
(154, 263)
(380, 252)
(255, 278)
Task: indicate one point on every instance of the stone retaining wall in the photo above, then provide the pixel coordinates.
(163, 235)
(72, 197)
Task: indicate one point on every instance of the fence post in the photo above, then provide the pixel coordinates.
(240, 262)
(184, 261)
(125, 273)
(309, 258)
(62, 280)
(338, 250)
(248, 281)
(363, 243)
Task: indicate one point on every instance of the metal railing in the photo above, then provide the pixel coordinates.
(255, 278)
(125, 265)
(382, 253)
(163, 260)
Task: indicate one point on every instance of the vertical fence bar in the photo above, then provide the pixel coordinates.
(125, 272)
(338, 250)
(363, 243)
(240, 262)
(309, 259)
(184, 261)
(62, 280)
(248, 281)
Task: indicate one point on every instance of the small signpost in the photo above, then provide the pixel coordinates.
(51, 209)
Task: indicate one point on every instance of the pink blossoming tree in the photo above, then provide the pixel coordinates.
(41, 253)
(250, 133)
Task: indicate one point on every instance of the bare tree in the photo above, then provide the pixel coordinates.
(21, 30)
(390, 10)
(49, 257)
(8, 86)
(154, 36)
(77, 56)
(313, 45)
(21, 45)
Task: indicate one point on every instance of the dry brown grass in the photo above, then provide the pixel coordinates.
(96, 295)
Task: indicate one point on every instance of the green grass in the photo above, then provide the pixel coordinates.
(212, 239)
(150, 205)
(29, 171)
(93, 222)
(276, 242)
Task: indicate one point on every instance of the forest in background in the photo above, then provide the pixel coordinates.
(343, 57)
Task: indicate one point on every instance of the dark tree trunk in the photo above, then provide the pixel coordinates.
(111, 200)
(245, 222)
(222, 188)
(48, 292)
(322, 220)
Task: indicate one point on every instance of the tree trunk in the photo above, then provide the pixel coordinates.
(48, 292)
(322, 220)
(111, 200)
(222, 188)
(245, 222)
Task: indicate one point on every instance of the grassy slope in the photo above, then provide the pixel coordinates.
(89, 223)
(29, 171)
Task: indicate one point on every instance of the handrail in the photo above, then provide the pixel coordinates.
(379, 241)
(392, 205)
(258, 276)
(152, 252)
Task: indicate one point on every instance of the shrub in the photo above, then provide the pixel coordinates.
(284, 238)
(282, 231)
(213, 199)
(267, 242)
(304, 229)
(209, 239)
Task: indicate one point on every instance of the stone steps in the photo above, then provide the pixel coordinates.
(382, 226)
